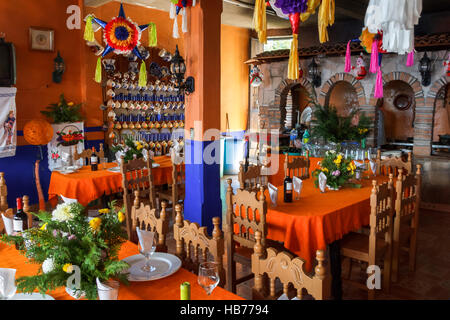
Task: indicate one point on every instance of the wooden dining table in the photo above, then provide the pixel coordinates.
(162, 289)
(86, 185)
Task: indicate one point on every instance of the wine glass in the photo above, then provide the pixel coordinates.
(147, 252)
(208, 276)
(7, 283)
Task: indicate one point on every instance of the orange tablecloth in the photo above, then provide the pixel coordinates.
(317, 219)
(86, 185)
(162, 289)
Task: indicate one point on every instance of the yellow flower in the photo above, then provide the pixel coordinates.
(121, 216)
(44, 226)
(139, 147)
(95, 223)
(103, 211)
(68, 268)
(325, 169)
(70, 104)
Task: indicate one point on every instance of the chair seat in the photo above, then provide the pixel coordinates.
(356, 246)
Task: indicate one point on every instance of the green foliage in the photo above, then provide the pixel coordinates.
(130, 148)
(334, 128)
(337, 170)
(68, 239)
(63, 111)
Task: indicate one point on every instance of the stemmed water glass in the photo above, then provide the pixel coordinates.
(147, 252)
(7, 283)
(208, 276)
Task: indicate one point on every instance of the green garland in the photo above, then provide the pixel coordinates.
(66, 239)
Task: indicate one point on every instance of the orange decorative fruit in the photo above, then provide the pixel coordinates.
(38, 132)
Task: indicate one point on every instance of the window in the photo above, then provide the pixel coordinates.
(277, 44)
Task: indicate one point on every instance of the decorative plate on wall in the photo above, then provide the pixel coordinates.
(403, 101)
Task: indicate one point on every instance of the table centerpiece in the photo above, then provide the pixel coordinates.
(67, 241)
(337, 169)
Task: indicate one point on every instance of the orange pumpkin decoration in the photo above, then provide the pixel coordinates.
(38, 132)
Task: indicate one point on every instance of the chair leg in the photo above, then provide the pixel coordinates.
(395, 251)
(413, 251)
(387, 271)
(350, 267)
(371, 294)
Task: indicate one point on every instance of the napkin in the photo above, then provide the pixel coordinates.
(322, 181)
(8, 222)
(273, 193)
(106, 292)
(285, 297)
(298, 184)
(176, 158)
(146, 240)
(68, 200)
(7, 282)
(373, 167)
(118, 155)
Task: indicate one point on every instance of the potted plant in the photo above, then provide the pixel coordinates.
(68, 130)
(68, 241)
(129, 149)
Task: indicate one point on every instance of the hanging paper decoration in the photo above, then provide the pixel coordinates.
(259, 20)
(396, 20)
(348, 61)
(121, 36)
(325, 19)
(177, 6)
(256, 77)
(152, 35)
(374, 57)
(367, 39)
(360, 69)
(410, 59)
(379, 84)
(447, 64)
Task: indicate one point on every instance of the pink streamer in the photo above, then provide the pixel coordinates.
(374, 57)
(410, 59)
(379, 84)
(348, 62)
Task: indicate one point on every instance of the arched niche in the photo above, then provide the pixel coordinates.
(344, 97)
(398, 115)
(441, 113)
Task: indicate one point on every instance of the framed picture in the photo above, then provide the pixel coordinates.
(42, 39)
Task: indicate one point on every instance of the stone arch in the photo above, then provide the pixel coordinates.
(338, 77)
(282, 90)
(431, 101)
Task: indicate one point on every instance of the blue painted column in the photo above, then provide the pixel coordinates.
(202, 50)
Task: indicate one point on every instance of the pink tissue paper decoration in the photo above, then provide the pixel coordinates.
(410, 59)
(348, 62)
(374, 57)
(379, 84)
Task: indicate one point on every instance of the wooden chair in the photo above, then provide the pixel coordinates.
(247, 224)
(299, 167)
(136, 176)
(87, 153)
(406, 222)
(145, 218)
(289, 270)
(378, 245)
(251, 178)
(190, 235)
(3, 193)
(176, 191)
(393, 164)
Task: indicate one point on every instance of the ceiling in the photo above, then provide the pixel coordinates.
(240, 12)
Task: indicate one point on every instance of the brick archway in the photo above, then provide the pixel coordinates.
(338, 77)
(287, 84)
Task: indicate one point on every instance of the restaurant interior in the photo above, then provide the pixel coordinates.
(224, 150)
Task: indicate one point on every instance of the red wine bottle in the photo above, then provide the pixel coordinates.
(94, 160)
(20, 222)
(287, 189)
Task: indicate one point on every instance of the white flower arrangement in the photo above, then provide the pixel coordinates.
(63, 212)
(48, 265)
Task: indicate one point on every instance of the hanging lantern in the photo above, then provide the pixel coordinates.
(314, 73)
(425, 70)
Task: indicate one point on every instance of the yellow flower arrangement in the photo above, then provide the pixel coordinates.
(44, 226)
(95, 223)
(68, 268)
(103, 211)
(121, 216)
(70, 104)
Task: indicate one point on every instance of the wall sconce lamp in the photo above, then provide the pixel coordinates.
(178, 69)
(314, 73)
(425, 70)
(60, 67)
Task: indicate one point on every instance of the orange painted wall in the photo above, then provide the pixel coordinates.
(235, 44)
(35, 89)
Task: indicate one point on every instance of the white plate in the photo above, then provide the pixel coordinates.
(114, 169)
(67, 171)
(31, 296)
(166, 264)
(155, 165)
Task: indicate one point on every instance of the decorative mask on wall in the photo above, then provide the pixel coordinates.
(60, 67)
